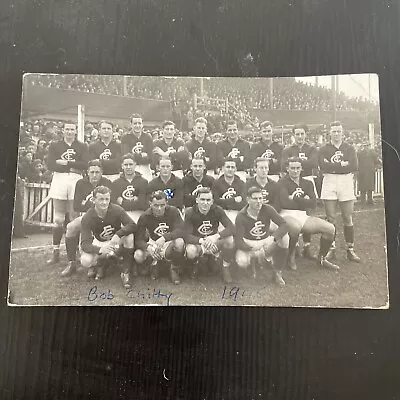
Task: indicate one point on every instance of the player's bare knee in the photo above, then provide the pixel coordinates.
(284, 242)
(59, 219)
(191, 252)
(179, 245)
(242, 259)
(229, 243)
(139, 256)
(347, 220)
(128, 242)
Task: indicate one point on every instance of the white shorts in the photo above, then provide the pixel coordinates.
(135, 215)
(338, 187)
(298, 215)
(145, 171)
(312, 180)
(112, 177)
(164, 248)
(123, 241)
(257, 244)
(63, 185)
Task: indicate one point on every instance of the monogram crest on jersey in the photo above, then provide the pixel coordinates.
(299, 192)
(128, 193)
(199, 152)
(303, 156)
(194, 193)
(265, 195)
(161, 229)
(205, 228)
(105, 155)
(171, 150)
(169, 193)
(137, 148)
(107, 233)
(268, 154)
(258, 230)
(337, 157)
(89, 198)
(234, 153)
(231, 192)
(68, 155)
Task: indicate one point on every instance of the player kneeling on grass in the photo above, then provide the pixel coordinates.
(257, 240)
(162, 225)
(103, 237)
(202, 235)
(296, 195)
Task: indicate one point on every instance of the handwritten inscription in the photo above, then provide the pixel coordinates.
(232, 293)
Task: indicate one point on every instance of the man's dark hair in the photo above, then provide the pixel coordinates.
(253, 189)
(135, 116)
(166, 123)
(158, 195)
(201, 120)
(203, 190)
(265, 124)
(335, 123)
(230, 159)
(104, 121)
(129, 156)
(260, 159)
(231, 122)
(163, 159)
(292, 159)
(95, 163)
(101, 190)
(300, 126)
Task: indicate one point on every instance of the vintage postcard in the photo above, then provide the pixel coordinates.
(177, 191)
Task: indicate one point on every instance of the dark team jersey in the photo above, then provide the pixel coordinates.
(240, 152)
(173, 189)
(225, 193)
(206, 149)
(133, 193)
(270, 152)
(179, 155)
(77, 156)
(130, 143)
(191, 186)
(270, 190)
(83, 197)
(198, 225)
(169, 226)
(258, 229)
(110, 156)
(330, 157)
(308, 155)
(103, 229)
(288, 187)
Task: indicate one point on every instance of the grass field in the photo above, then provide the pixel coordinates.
(355, 285)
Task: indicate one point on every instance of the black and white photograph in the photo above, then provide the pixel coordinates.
(195, 191)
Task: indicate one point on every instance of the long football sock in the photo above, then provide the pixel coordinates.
(324, 246)
(71, 244)
(349, 235)
(279, 258)
(58, 232)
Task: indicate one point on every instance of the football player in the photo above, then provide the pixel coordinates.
(202, 235)
(338, 163)
(139, 143)
(268, 149)
(159, 236)
(309, 165)
(67, 159)
(107, 150)
(202, 147)
(83, 200)
(170, 147)
(296, 196)
(195, 180)
(102, 236)
(257, 238)
(229, 190)
(169, 183)
(235, 148)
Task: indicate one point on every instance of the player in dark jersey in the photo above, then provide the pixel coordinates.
(83, 201)
(296, 196)
(257, 239)
(169, 183)
(130, 189)
(338, 163)
(195, 180)
(103, 237)
(229, 190)
(269, 188)
(202, 235)
(268, 149)
(159, 236)
(235, 148)
(170, 147)
(67, 160)
(309, 165)
(107, 150)
(139, 143)
(202, 147)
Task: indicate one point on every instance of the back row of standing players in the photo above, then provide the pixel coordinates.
(126, 209)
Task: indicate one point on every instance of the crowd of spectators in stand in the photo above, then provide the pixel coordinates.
(36, 136)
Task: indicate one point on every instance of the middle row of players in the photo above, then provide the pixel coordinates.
(257, 223)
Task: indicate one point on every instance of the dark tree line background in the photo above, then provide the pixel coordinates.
(210, 353)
